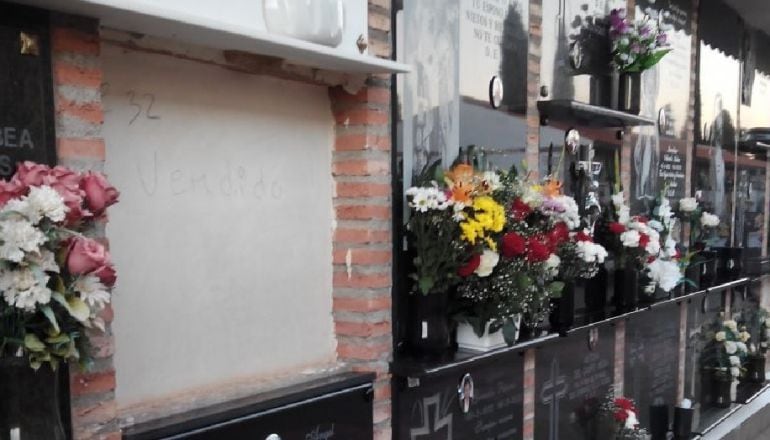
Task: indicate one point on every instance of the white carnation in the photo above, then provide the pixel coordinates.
(735, 371)
(570, 213)
(591, 252)
(730, 347)
(489, 260)
(492, 180)
(720, 336)
(735, 361)
(630, 238)
(688, 204)
(631, 420)
(46, 202)
(25, 288)
(666, 274)
(18, 236)
(709, 220)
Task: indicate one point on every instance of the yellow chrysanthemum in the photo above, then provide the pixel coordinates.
(488, 216)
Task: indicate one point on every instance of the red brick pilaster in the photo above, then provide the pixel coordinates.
(528, 426)
(77, 80)
(362, 237)
(532, 156)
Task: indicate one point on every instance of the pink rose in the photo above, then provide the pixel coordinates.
(30, 174)
(99, 193)
(85, 256)
(106, 273)
(64, 176)
(9, 190)
(73, 199)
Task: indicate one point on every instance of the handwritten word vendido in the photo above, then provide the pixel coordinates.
(222, 179)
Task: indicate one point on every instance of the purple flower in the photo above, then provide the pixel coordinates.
(644, 31)
(636, 48)
(662, 39)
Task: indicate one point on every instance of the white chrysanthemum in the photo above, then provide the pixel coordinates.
(47, 203)
(720, 336)
(709, 220)
(570, 214)
(735, 371)
(630, 238)
(25, 288)
(425, 199)
(742, 347)
(489, 260)
(624, 215)
(688, 204)
(731, 324)
(492, 180)
(666, 274)
(458, 208)
(92, 291)
(18, 236)
(591, 252)
(532, 196)
(735, 361)
(730, 347)
(45, 260)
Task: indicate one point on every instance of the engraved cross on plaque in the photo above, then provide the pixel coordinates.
(554, 389)
(439, 422)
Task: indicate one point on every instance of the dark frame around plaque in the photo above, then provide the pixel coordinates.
(37, 22)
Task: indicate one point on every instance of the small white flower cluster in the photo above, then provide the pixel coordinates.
(664, 273)
(423, 199)
(623, 211)
(734, 349)
(591, 252)
(25, 288)
(709, 220)
(688, 204)
(552, 265)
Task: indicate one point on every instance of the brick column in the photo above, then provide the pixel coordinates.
(77, 80)
(528, 427)
(362, 236)
(620, 357)
(532, 156)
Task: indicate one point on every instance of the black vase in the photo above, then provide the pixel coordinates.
(626, 92)
(29, 401)
(596, 296)
(683, 423)
(658, 422)
(428, 326)
(626, 288)
(562, 315)
(720, 391)
(708, 270)
(755, 369)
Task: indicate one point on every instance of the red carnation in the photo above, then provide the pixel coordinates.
(642, 219)
(520, 210)
(513, 244)
(617, 228)
(470, 266)
(650, 259)
(621, 415)
(582, 236)
(625, 404)
(558, 235)
(537, 251)
(643, 240)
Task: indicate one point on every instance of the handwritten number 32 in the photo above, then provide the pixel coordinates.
(148, 98)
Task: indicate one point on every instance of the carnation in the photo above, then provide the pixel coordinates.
(46, 202)
(720, 336)
(19, 236)
(688, 204)
(591, 252)
(489, 260)
(630, 238)
(25, 288)
(665, 274)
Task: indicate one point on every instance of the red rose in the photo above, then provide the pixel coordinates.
(617, 228)
(582, 236)
(472, 264)
(520, 210)
(513, 244)
(99, 193)
(620, 415)
(537, 251)
(558, 235)
(85, 256)
(644, 239)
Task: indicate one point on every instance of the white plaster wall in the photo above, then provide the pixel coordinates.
(222, 237)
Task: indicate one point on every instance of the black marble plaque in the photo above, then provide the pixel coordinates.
(434, 411)
(26, 109)
(652, 359)
(572, 376)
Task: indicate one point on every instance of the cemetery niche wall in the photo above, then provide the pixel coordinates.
(693, 136)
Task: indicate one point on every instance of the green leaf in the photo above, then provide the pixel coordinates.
(555, 289)
(426, 284)
(33, 343)
(75, 306)
(654, 59)
(509, 331)
(48, 312)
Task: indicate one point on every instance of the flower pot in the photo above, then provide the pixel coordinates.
(755, 369)
(316, 21)
(626, 92)
(469, 340)
(29, 401)
(729, 264)
(721, 391)
(596, 296)
(428, 326)
(626, 289)
(658, 422)
(682, 428)
(562, 315)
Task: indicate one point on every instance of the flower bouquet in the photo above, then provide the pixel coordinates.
(701, 270)
(54, 279)
(723, 358)
(618, 419)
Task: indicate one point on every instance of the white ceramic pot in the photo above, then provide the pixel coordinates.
(468, 340)
(316, 21)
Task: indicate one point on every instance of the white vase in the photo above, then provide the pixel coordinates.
(468, 340)
(316, 21)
